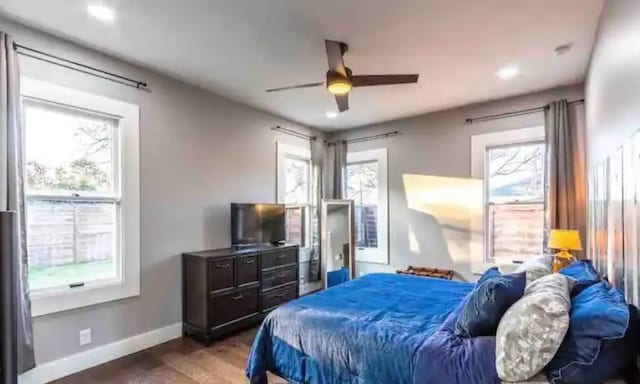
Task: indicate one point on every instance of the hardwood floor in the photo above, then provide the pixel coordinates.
(180, 361)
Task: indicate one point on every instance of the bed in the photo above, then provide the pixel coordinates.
(380, 328)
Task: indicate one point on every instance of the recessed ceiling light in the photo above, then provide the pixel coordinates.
(508, 72)
(331, 114)
(102, 12)
(563, 49)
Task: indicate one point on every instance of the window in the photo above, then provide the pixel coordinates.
(512, 165)
(366, 175)
(81, 155)
(294, 190)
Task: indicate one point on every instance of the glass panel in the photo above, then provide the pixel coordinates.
(362, 188)
(516, 173)
(295, 225)
(296, 180)
(515, 231)
(70, 242)
(67, 150)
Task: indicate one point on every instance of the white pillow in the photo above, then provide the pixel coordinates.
(538, 262)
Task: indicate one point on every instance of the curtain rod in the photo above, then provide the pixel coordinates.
(83, 68)
(291, 132)
(513, 113)
(373, 137)
(366, 138)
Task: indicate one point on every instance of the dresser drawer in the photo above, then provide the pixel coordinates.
(233, 305)
(247, 269)
(274, 277)
(221, 274)
(279, 296)
(274, 259)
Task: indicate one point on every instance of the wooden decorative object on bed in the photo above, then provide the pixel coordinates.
(429, 272)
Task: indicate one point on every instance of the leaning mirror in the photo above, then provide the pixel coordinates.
(337, 242)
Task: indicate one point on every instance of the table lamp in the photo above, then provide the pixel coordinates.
(565, 240)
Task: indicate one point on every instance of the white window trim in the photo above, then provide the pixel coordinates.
(479, 144)
(63, 299)
(379, 255)
(284, 150)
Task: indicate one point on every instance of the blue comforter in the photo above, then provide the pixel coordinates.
(368, 330)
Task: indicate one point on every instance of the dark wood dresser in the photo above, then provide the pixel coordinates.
(225, 290)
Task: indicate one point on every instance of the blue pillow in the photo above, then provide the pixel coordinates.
(583, 272)
(487, 303)
(600, 341)
(488, 274)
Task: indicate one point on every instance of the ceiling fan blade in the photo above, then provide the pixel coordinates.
(343, 102)
(335, 50)
(369, 80)
(310, 85)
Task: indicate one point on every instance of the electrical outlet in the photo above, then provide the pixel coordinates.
(85, 336)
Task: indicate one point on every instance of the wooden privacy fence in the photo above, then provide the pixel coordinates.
(515, 231)
(61, 232)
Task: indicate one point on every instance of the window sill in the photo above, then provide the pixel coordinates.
(48, 303)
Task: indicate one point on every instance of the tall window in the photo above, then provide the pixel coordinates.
(73, 195)
(512, 165)
(77, 183)
(515, 200)
(294, 190)
(366, 175)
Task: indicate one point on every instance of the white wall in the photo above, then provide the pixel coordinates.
(199, 152)
(613, 82)
(438, 144)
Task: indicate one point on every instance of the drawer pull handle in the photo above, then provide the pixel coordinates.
(220, 266)
(279, 295)
(281, 274)
(281, 256)
(234, 298)
(251, 261)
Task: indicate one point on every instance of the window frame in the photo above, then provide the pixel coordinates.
(480, 260)
(126, 197)
(300, 153)
(380, 254)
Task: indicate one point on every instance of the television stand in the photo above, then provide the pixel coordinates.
(226, 290)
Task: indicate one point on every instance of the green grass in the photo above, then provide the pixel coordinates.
(69, 274)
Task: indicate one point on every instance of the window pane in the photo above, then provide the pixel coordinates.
(516, 172)
(295, 226)
(68, 150)
(515, 231)
(70, 242)
(362, 188)
(296, 180)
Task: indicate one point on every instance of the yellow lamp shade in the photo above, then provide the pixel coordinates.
(565, 239)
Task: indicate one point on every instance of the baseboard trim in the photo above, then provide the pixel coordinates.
(69, 365)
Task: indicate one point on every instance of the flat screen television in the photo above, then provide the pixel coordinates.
(257, 223)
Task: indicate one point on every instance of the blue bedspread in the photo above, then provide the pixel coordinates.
(368, 330)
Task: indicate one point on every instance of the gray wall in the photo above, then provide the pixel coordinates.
(613, 82)
(438, 144)
(199, 152)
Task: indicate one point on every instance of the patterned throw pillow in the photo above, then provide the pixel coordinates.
(532, 330)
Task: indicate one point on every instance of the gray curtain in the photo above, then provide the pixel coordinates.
(14, 265)
(565, 132)
(335, 170)
(317, 171)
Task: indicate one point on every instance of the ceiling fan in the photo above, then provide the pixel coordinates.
(340, 79)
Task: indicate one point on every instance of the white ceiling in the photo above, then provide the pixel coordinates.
(239, 48)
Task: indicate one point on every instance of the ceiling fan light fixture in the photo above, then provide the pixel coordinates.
(339, 87)
(337, 84)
